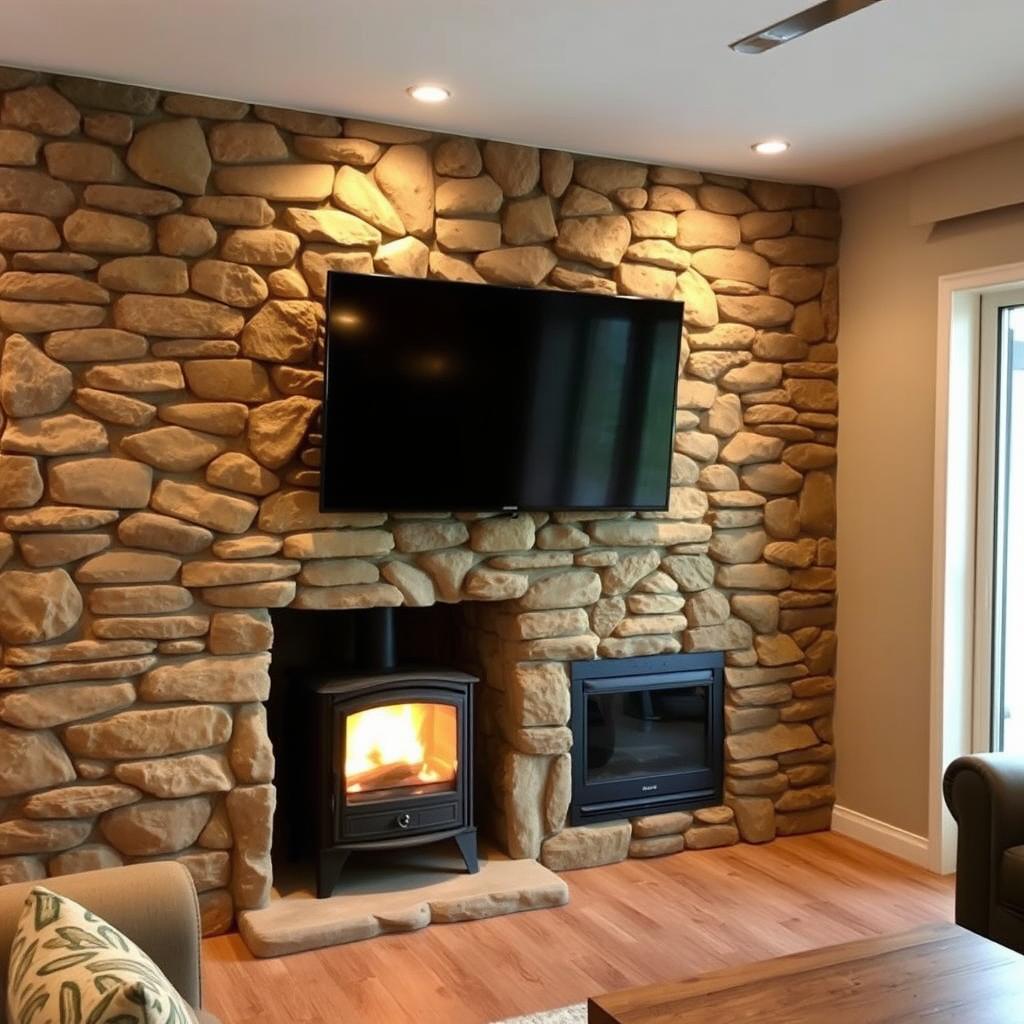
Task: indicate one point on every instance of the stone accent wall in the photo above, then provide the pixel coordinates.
(162, 270)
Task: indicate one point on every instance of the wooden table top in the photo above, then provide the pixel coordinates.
(937, 973)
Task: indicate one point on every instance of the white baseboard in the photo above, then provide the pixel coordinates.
(899, 842)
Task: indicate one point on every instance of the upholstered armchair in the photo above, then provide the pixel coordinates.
(153, 904)
(985, 793)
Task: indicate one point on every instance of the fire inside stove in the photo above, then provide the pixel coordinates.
(400, 746)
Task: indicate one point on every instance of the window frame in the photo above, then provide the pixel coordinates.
(991, 519)
(954, 627)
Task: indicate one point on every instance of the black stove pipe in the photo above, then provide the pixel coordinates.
(375, 643)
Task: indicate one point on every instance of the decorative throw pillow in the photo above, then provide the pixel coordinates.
(69, 966)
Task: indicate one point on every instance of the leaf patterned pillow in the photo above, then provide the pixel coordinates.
(69, 966)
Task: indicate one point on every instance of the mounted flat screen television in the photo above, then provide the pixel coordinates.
(444, 396)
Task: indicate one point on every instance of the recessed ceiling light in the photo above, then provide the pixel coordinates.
(429, 93)
(770, 147)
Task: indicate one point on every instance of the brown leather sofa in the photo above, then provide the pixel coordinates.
(985, 793)
(153, 904)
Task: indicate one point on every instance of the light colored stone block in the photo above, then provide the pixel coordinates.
(587, 846)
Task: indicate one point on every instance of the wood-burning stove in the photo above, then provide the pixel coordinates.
(395, 764)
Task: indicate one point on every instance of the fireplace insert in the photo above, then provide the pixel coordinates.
(647, 735)
(395, 764)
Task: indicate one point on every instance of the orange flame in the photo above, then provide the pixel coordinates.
(400, 745)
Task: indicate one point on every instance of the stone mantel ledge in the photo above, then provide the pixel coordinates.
(163, 264)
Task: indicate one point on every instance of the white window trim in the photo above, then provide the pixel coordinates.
(955, 538)
(992, 425)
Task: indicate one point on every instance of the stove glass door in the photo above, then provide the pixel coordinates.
(400, 750)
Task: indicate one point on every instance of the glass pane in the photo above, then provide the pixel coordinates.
(646, 732)
(413, 745)
(1009, 603)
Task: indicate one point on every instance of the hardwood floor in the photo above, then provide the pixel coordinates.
(634, 923)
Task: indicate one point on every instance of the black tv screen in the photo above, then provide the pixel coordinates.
(468, 397)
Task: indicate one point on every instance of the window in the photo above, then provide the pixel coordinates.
(975, 514)
(999, 640)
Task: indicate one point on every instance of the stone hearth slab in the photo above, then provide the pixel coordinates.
(397, 893)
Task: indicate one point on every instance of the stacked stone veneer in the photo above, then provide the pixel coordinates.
(162, 270)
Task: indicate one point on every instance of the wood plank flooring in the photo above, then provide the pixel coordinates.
(634, 923)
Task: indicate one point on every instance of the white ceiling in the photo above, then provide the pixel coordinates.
(894, 85)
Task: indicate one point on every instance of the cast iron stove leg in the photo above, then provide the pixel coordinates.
(467, 847)
(328, 871)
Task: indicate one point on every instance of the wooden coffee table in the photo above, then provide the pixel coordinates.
(937, 973)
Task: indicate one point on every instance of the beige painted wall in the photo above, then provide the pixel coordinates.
(889, 295)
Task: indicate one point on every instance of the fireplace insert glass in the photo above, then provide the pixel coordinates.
(637, 733)
(647, 735)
